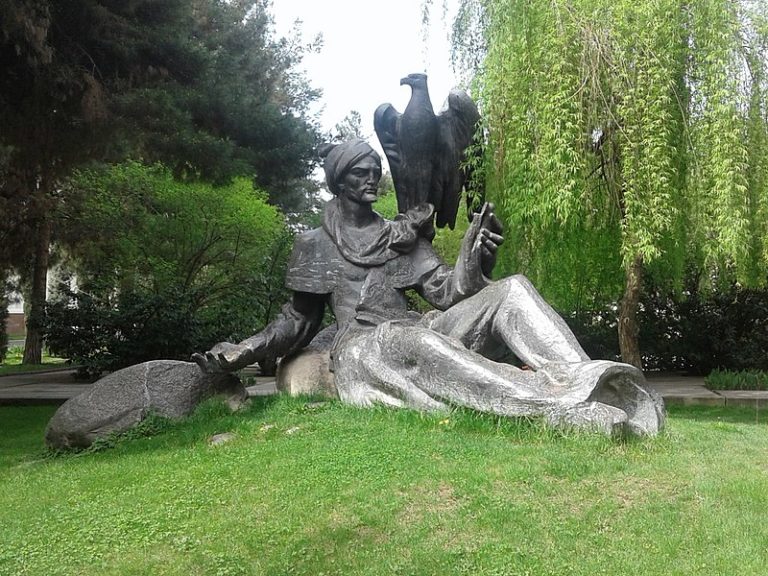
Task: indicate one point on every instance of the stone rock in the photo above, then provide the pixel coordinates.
(308, 372)
(121, 400)
(223, 438)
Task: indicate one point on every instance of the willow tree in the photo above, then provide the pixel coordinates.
(626, 139)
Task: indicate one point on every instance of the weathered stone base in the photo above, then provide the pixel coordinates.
(308, 372)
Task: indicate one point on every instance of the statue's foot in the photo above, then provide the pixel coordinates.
(624, 387)
(594, 416)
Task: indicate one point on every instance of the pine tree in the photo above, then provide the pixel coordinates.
(202, 86)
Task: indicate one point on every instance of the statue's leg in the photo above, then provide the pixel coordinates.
(405, 365)
(512, 314)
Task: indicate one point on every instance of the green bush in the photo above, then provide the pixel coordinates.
(726, 329)
(165, 268)
(596, 331)
(696, 332)
(743, 380)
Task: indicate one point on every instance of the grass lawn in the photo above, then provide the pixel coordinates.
(12, 363)
(337, 490)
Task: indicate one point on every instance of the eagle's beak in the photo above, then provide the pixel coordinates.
(406, 80)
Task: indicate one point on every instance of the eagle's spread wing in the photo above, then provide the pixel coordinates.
(386, 123)
(457, 126)
(427, 154)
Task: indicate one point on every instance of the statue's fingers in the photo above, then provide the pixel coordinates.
(212, 362)
(221, 359)
(474, 227)
(497, 239)
(494, 224)
(490, 246)
(199, 359)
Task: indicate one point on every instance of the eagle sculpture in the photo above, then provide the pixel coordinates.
(426, 152)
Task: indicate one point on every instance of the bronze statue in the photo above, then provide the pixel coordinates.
(361, 265)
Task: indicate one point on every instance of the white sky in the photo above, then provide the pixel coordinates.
(368, 46)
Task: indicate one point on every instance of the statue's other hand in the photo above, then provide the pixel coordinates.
(489, 238)
(490, 221)
(223, 357)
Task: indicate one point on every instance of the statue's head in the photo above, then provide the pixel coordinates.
(352, 167)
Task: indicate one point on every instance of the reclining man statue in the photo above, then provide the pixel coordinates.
(362, 265)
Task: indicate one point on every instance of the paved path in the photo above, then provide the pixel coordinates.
(690, 391)
(52, 387)
(56, 387)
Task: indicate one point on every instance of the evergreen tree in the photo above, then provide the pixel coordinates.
(202, 86)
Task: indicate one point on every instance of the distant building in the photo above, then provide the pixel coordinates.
(16, 321)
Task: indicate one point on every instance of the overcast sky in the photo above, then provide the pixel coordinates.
(368, 46)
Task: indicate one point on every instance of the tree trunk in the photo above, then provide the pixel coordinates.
(629, 331)
(33, 345)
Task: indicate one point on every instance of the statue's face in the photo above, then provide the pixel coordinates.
(361, 182)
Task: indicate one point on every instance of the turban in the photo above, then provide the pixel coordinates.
(339, 158)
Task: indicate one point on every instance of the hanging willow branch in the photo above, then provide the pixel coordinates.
(624, 132)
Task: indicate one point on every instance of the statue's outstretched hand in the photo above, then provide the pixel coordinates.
(478, 252)
(489, 238)
(223, 357)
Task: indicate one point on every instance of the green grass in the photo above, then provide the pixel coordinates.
(337, 490)
(743, 380)
(12, 363)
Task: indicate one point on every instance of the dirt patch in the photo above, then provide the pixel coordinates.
(423, 500)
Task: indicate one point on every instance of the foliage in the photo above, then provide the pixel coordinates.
(386, 204)
(164, 267)
(625, 138)
(694, 331)
(596, 331)
(203, 86)
(702, 331)
(418, 494)
(233, 104)
(349, 128)
(743, 380)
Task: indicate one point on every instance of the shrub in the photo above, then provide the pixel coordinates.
(696, 332)
(165, 267)
(743, 380)
(726, 329)
(596, 332)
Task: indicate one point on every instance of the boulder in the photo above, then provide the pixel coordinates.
(121, 400)
(308, 371)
